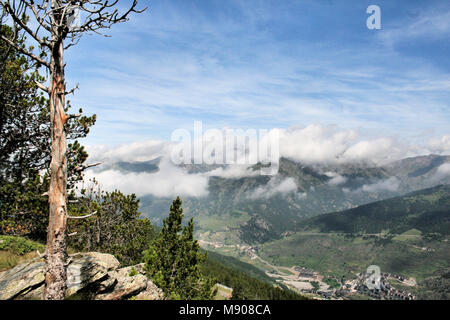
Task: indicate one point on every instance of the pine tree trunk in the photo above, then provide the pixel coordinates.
(55, 275)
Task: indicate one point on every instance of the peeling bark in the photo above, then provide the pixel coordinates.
(55, 269)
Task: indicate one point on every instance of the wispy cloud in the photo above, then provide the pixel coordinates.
(429, 24)
(263, 64)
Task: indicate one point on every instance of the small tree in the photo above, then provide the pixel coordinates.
(117, 228)
(173, 260)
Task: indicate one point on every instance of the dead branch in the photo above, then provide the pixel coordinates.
(73, 116)
(72, 90)
(41, 86)
(25, 52)
(24, 26)
(82, 217)
(42, 255)
(84, 167)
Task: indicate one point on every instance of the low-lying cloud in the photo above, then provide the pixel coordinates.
(313, 144)
(392, 184)
(233, 171)
(442, 172)
(336, 179)
(274, 187)
(169, 181)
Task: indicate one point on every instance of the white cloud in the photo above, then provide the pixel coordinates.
(336, 179)
(317, 144)
(444, 169)
(136, 151)
(442, 172)
(378, 150)
(431, 24)
(169, 181)
(233, 171)
(313, 144)
(441, 145)
(273, 187)
(392, 184)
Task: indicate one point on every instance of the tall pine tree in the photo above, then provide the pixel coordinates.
(25, 141)
(173, 260)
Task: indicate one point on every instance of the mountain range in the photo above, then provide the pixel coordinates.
(252, 208)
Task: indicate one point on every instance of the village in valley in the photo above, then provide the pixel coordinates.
(314, 285)
(311, 283)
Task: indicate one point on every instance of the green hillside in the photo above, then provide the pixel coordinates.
(248, 282)
(426, 210)
(340, 254)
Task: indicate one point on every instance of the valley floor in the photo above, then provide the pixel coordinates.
(333, 266)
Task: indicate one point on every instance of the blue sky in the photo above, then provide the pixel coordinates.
(266, 64)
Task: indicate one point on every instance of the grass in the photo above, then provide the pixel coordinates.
(412, 234)
(334, 255)
(223, 293)
(15, 250)
(9, 260)
(222, 229)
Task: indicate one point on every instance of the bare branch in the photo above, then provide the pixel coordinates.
(42, 255)
(74, 116)
(41, 86)
(25, 52)
(100, 18)
(72, 90)
(84, 167)
(17, 20)
(38, 17)
(82, 217)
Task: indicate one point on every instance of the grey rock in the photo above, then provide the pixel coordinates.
(21, 279)
(95, 275)
(88, 268)
(151, 293)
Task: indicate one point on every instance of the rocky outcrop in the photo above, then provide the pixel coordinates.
(90, 275)
(125, 285)
(21, 280)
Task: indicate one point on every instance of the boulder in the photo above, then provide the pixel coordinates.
(90, 275)
(131, 281)
(126, 285)
(88, 268)
(21, 279)
(151, 293)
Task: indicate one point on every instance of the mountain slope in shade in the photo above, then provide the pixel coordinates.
(425, 210)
